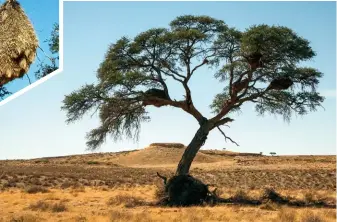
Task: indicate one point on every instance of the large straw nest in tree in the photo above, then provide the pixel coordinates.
(18, 42)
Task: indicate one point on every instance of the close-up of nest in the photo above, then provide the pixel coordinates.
(18, 42)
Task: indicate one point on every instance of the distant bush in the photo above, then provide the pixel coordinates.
(40, 205)
(309, 197)
(92, 162)
(45, 206)
(168, 145)
(58, 207)
(67, 184)
(41, 161)
(36, 189)
(240, 196)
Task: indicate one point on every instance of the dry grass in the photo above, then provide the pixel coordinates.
(310, 176)
(269, 206)
(24, 218)
(307, 215)
(131, 204)
(43, 205)
(286, 215)
(312, 217)
(118, 190)
(126, 200)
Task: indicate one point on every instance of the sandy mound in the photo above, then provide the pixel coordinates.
(159, 155)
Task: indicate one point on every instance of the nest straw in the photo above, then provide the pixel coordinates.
(18, 42)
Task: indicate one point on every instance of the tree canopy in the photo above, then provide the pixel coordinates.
(261, 64)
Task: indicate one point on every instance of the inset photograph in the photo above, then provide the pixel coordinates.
(29, 43)
(178, 111)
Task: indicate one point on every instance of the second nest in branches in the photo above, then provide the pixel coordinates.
(18, 42)
(154, 96)
(281, 83)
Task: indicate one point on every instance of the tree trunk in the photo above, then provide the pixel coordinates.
(192, 149)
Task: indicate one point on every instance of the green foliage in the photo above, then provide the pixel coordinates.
(218, 102)
(119, 115)
(285, 103)
(132, 66)
(282, 50)
(279, 44)
(53, 42)
(46, 68)
(4, 92)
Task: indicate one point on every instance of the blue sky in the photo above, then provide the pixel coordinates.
(43, 15)
(33, 125)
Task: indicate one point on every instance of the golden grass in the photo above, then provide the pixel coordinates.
(105, 187)
(130, 204)
(126, 200)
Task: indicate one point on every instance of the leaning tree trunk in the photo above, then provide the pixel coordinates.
(183, 189)
(192, 149)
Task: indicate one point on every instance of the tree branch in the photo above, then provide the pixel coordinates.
(253, 96)
(173, 76)
(226, 137)
(222, 122)
(231, 77)
(250, 86)
(201, 64)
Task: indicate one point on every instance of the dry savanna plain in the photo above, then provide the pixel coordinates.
(124, 187)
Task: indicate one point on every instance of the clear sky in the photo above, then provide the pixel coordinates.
(33, 125)
(43, 15)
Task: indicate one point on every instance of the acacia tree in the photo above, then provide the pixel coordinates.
(258, 65)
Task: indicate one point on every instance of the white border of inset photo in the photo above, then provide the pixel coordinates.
(59, 70)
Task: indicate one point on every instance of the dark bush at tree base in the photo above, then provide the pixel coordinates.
(185, 190)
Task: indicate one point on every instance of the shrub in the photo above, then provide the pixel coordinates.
(36, 189)
(240, 196)
(45, 206)
(41, 161)
(25, 218)
(58, 207)
(92, 162)
(66, 185)
(40, 205)
(309, 197)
